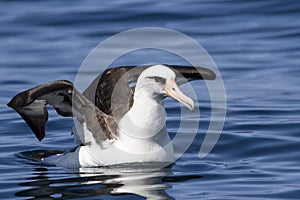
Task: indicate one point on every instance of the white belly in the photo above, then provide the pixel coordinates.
(123, 150)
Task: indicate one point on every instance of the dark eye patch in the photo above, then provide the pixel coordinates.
(158, 79)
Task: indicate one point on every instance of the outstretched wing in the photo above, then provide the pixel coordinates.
(97, 103)
(101, 90)
(68, 102)
(185, 73)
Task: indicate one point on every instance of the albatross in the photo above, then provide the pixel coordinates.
(119, 118)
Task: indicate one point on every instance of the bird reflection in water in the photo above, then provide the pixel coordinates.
(132, 181)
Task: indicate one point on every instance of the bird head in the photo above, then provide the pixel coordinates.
(159, 81)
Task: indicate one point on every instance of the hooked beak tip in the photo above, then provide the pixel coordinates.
(173, 91)
(189, 103)
(192, 107)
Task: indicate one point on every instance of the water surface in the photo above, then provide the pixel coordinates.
(255, 45)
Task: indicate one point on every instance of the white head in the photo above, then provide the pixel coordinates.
(157, 82)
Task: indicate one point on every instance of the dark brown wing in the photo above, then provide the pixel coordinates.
(118, 81)
(67, 101)
(114, 81)
(192, 73)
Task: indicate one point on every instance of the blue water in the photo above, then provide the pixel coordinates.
(255, 45)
